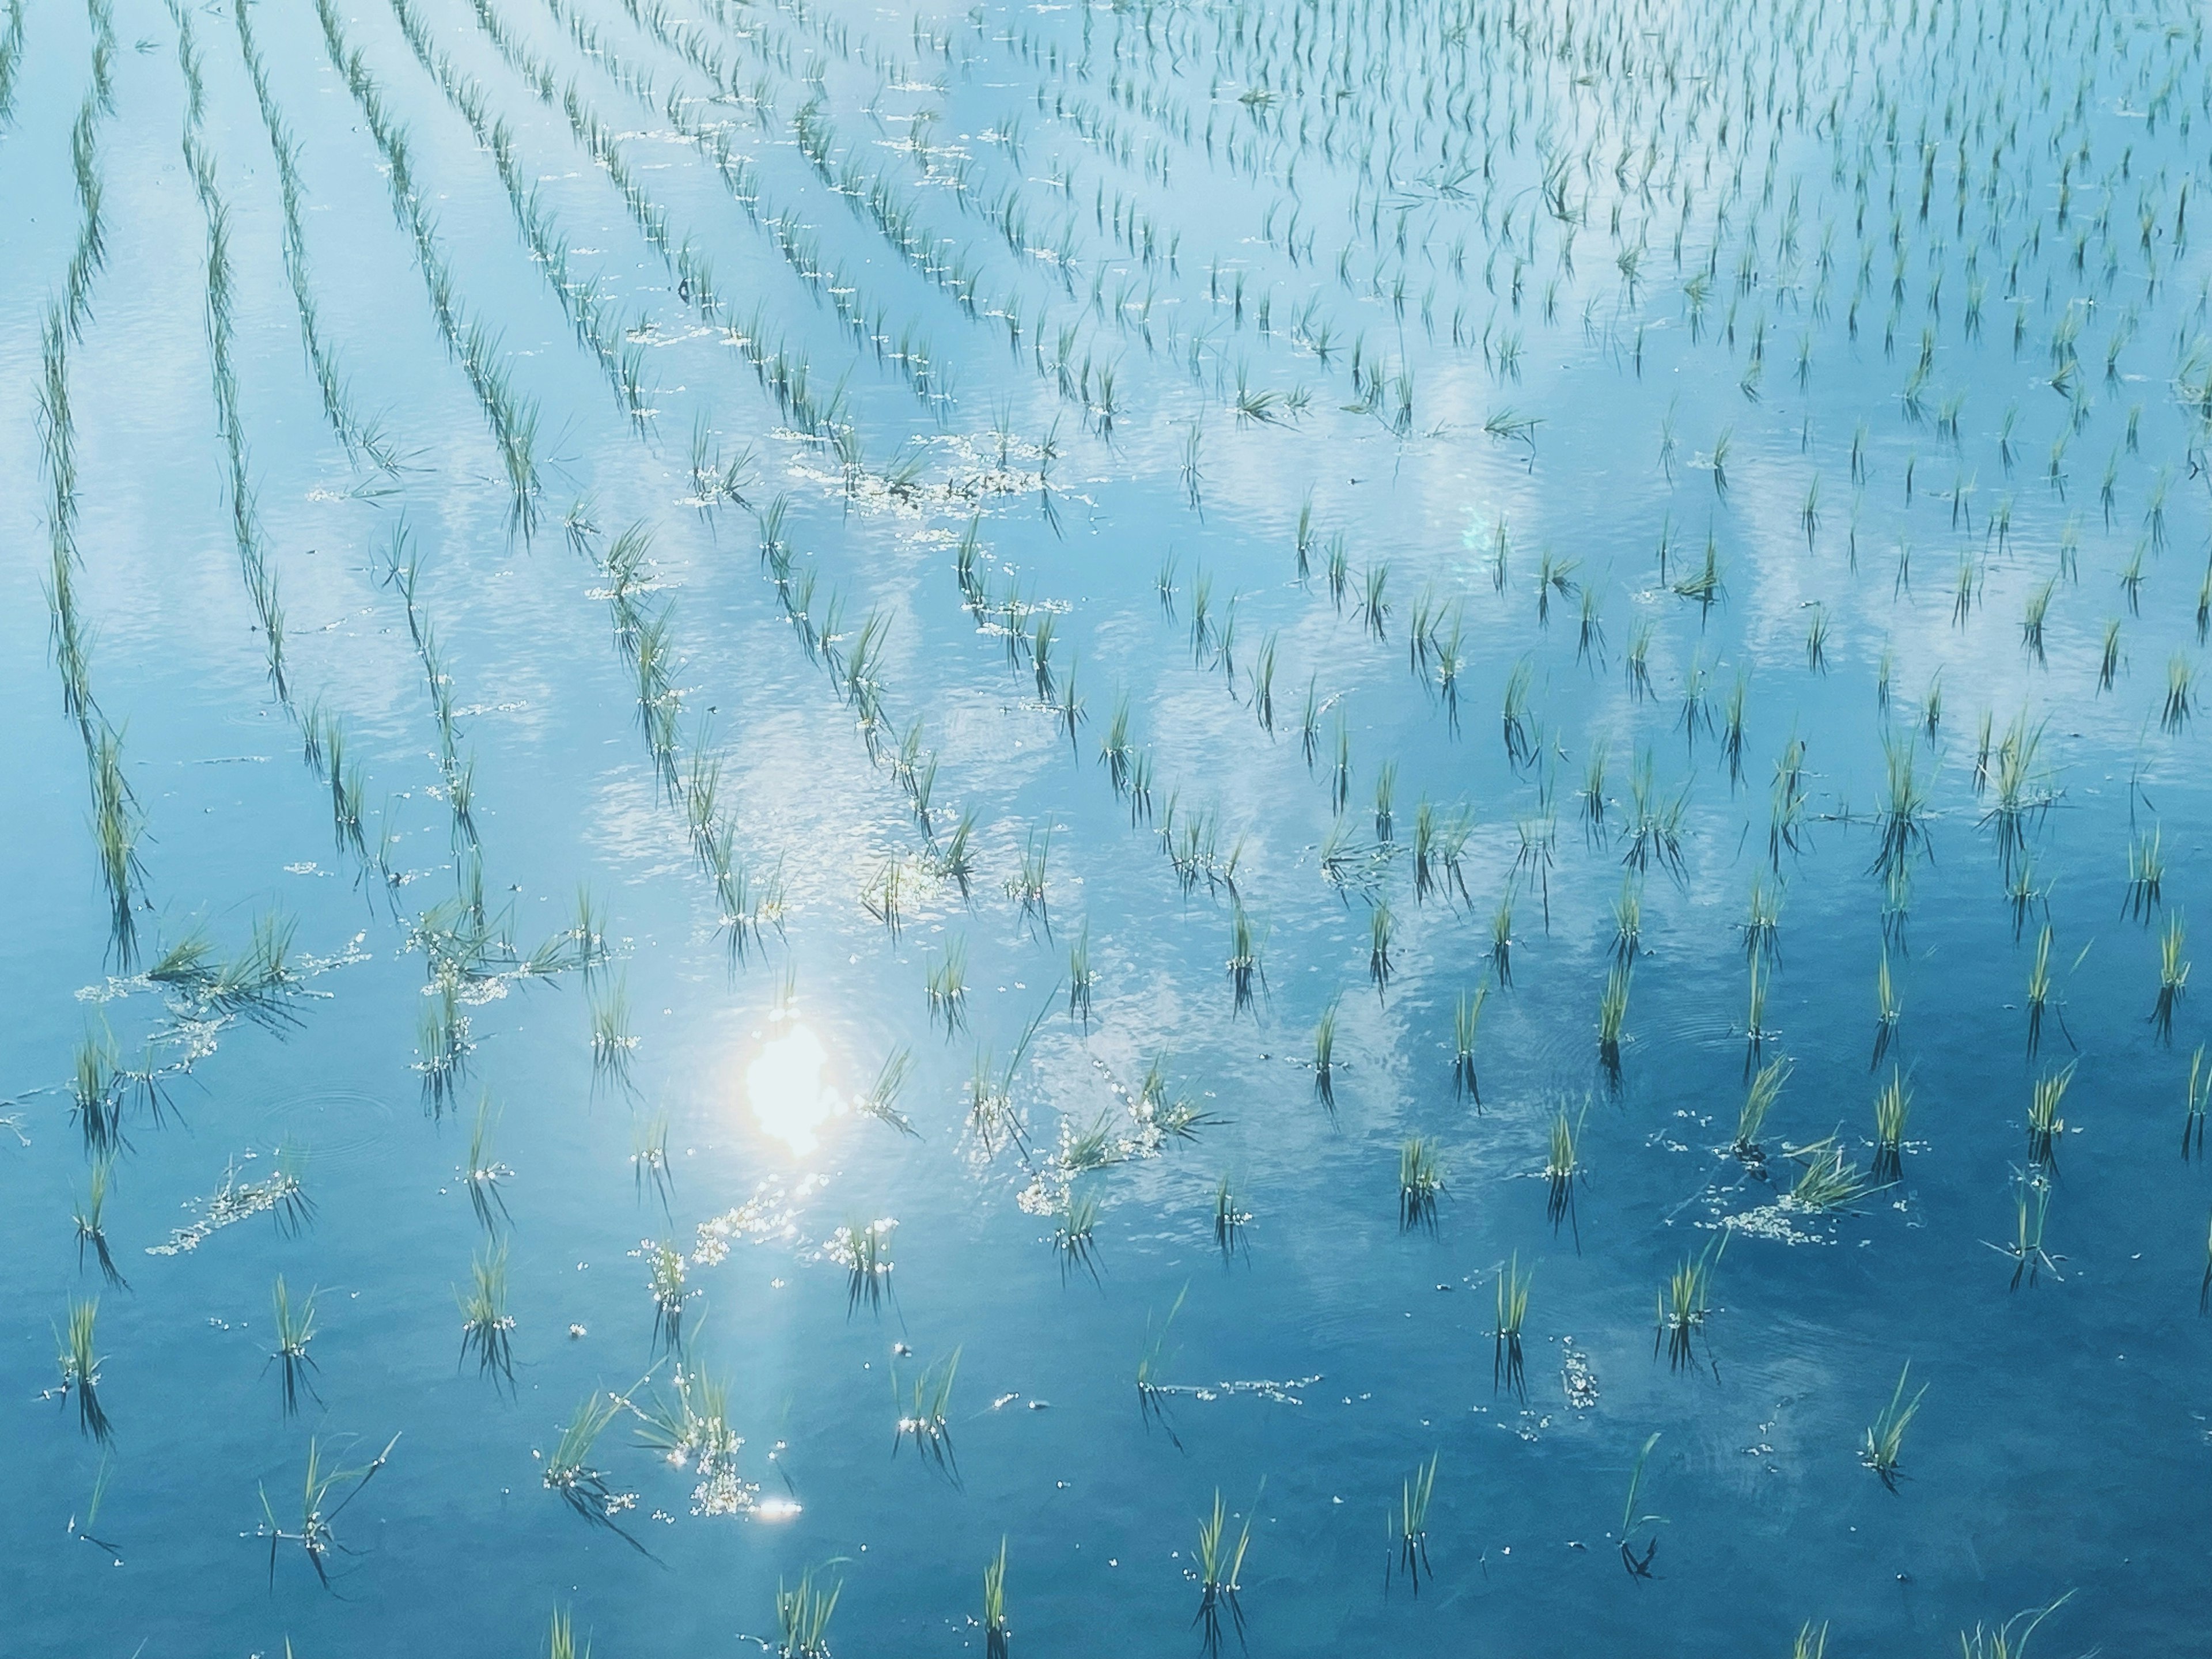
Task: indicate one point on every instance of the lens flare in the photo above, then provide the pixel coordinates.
(784, 1089)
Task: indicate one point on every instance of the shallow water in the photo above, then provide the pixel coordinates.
(1441, 348)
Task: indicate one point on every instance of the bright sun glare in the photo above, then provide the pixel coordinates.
(785, 1087)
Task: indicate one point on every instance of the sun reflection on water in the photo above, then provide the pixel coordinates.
(785, 1088)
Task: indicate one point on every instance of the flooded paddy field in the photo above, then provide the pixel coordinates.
(1296, 828)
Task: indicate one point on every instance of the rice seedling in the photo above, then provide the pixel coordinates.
(481, 1172)
(1374, 605)
(2044, 1125)
(1520, 747)
(1634, 1523)
(884, 897)
(1341, 778)
(1039, 655)
(2022, 895)
(1324, 1059)
(1202, 616)
(2204, 1289)
(995, 1630)
(1229, 1216)
(1427, 861)
(1983, 747)
(487, 1328)
(691, 1428)
(1263, 685)
(2022, 798)
(946, 982)
(1027, 886)
(1827, 1180)
(1466, 1018)
(879, 1100)
(1501, 940)
(1589, 629)
(589, 933)
(802, 1617)
(2030, 1212)
(1380, 924)
(1220, 1566)
(1901, 821)
(1553, 575)
(284, 1193)
(1885, 1436)
(1685, 1301)
(441, 1043)
(1420, 1184)
(1152, 1388)
(2031, 621)
(863, 1246)
(1811, 1644)
(96, 1094)
(1563, 1166)
(1889, 1007)
(1244, 965)
(1412, 1560)
(1931, 708)
(1762, 922)
(188, 963)
(648, 1158)
(927, 1418)
(1611, 1016)
(991, 1114)
(1704, 588)
(572, 1473)
(91, 1219)
(2131, 580)
(1094, 1148)
(1892, 1106)
(2108, 662)
(2172, 978)
(1592, 793)
(1732, 735)
(1505, 1364)
(295, 1327)
(1654, 829)
(1966, 590)
(318, 1515)
(561, 1638)
(1386, 784)
(1786, 805)
(1765, 1088)
(1638, 662)
(1080, 978)
(82, 1530)
(1755, 1029)
(80, 1362)
(1817, 642)
(2038, 994)
(2146, 874)
(2199, 1101)
(613, 1040)
(1074, 1234)
(1539, 835)
(2002, 1642)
